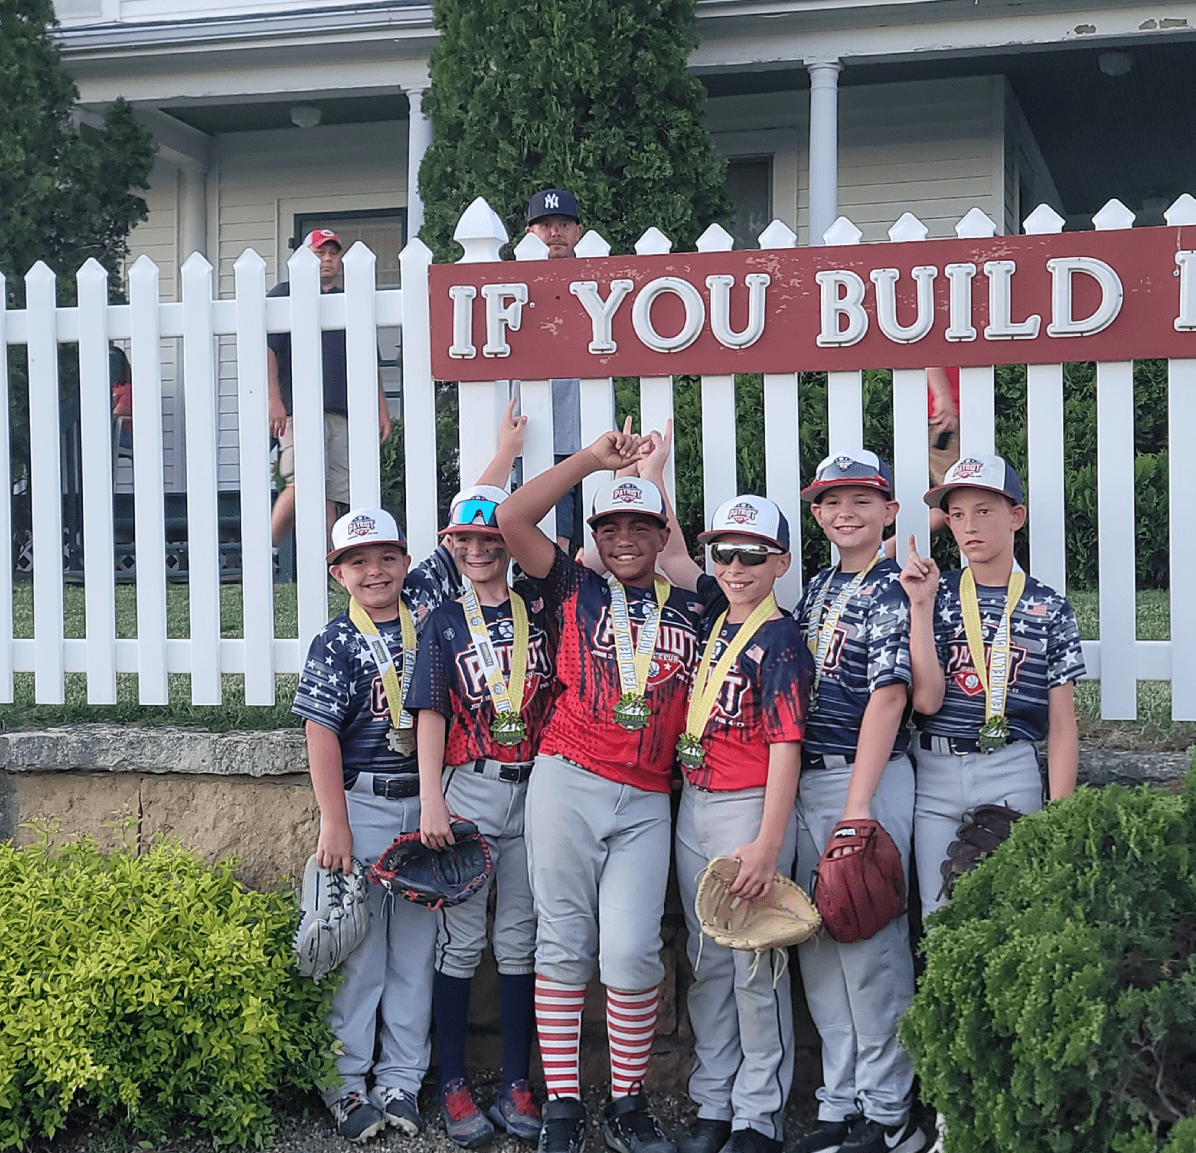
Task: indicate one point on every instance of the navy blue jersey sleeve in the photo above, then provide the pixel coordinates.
(433, 667)
(563, 580)
(887, 633)
(326, 680)
(431, 583)
(1065, 657)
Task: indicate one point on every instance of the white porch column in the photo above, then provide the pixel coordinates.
(419, 136)
(193, 211)
(824, 146)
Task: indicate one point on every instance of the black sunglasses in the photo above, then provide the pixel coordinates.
(749, 555)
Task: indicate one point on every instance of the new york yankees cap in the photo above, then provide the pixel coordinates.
(364, 526)
(983, 470)
(627, 494)
(855, 467)
(474, 510)
(552, 202)
(749, 515)
(316, 239)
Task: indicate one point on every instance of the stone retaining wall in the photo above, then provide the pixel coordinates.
(246, 794)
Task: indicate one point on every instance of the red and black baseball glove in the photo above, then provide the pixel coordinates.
(437, 878)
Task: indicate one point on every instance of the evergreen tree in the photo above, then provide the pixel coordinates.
(66, 191)
(570, 94)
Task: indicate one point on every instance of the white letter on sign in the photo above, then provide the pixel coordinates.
(500, 317)
(1062, 321)
(842, 295)
(960, 278)
(1000, 306)
(720, 309)
(1186, 320)
(885, 280)
(695, 314)
(602, 312)
(462, 296)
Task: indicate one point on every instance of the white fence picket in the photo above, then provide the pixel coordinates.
(597, 416)
(910, 458)
(535, 402)
(656, 410)
(782, 466)
(419, 401)
(977, 422)
(1181, 431)
(1115, 538)
(95, 405)
(361, 365)
(6, 543)
(1044, 441)
(253, 431)
(45, 482)
(718, 444)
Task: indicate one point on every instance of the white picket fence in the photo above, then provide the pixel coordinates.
(1118, 658)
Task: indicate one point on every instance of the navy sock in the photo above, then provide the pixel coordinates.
(516, 1000)
(450, 1010)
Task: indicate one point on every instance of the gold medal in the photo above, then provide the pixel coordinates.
(401, 741)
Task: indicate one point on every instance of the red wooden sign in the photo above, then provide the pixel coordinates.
(1119, 295)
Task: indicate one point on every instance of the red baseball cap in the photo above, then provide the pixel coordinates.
(317, 239)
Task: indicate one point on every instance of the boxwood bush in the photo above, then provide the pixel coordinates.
(150, 989)
(1058, 1008)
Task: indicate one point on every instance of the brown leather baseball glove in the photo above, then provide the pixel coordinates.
(862, 889)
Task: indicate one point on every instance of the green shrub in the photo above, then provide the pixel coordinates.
(153, 990)
(1058, 1008)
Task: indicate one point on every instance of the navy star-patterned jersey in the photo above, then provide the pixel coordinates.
(340, 687)
(762, 702)
(582, 727)
(870, 649)
(1044, 652)
(450, 680)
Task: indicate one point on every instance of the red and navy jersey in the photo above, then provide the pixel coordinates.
(870, 649)
(582, 727)
(1044, 652)
(762, 702)
(450, 680)
(339, 686)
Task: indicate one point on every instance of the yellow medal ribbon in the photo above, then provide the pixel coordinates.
(396, 695)
(823, 621)
(634, 665)
(708, 684)
(993, 672)
(507, 696)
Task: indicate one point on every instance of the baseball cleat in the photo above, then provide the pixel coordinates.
(705, 1136)
(357, 1118)
(628, 1127)
(752, 1141)
(399, 1108)
(873, 1137)
(515, 1111)
(826, 1136)
(464, 1122)
(564, 1127)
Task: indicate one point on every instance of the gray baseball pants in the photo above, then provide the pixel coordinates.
(391, 970)
(742, 1020)
(496, 807)
(598, 855)
(949, 785)
(857, 993)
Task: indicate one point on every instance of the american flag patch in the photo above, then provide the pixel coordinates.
(756, 653)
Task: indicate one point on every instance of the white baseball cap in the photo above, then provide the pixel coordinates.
(749, 515)
(627, 494)
(984, 470)
(473, 509)
(364, 526)
(854, 468)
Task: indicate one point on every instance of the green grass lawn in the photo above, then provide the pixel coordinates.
(1154, 728)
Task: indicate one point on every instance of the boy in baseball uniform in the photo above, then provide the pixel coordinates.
(483, 687)
(597, 820)
(741, 756)
(995, 656)
(361, 752)
(855, 765)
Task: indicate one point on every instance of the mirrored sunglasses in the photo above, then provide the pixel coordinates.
(749, 555)
(472, 512)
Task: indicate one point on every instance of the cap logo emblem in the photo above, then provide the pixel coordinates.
(742, 513)
(628, 494)
(552, 200)
(843, 463)
(968, 468)
(361, 526)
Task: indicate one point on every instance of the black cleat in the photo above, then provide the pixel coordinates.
(705, 1136)
(628, 1127)
(563, 1127)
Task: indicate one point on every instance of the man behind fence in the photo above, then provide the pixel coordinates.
(327, 246)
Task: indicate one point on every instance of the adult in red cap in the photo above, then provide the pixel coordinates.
(327, 246)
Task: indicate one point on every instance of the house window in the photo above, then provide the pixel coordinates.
(749, 188)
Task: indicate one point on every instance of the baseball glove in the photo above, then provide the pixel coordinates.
(861, 891)
(333, 921)
(438, 878)
(785, 916)
(983, 830)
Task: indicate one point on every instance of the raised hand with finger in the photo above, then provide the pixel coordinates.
(919, 577)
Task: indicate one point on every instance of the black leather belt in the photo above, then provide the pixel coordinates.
(396, 788)
(514, 774)
(815, 760)
(960, 746)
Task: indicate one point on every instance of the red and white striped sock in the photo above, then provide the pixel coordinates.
(630, 1027)
(558, 1025)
